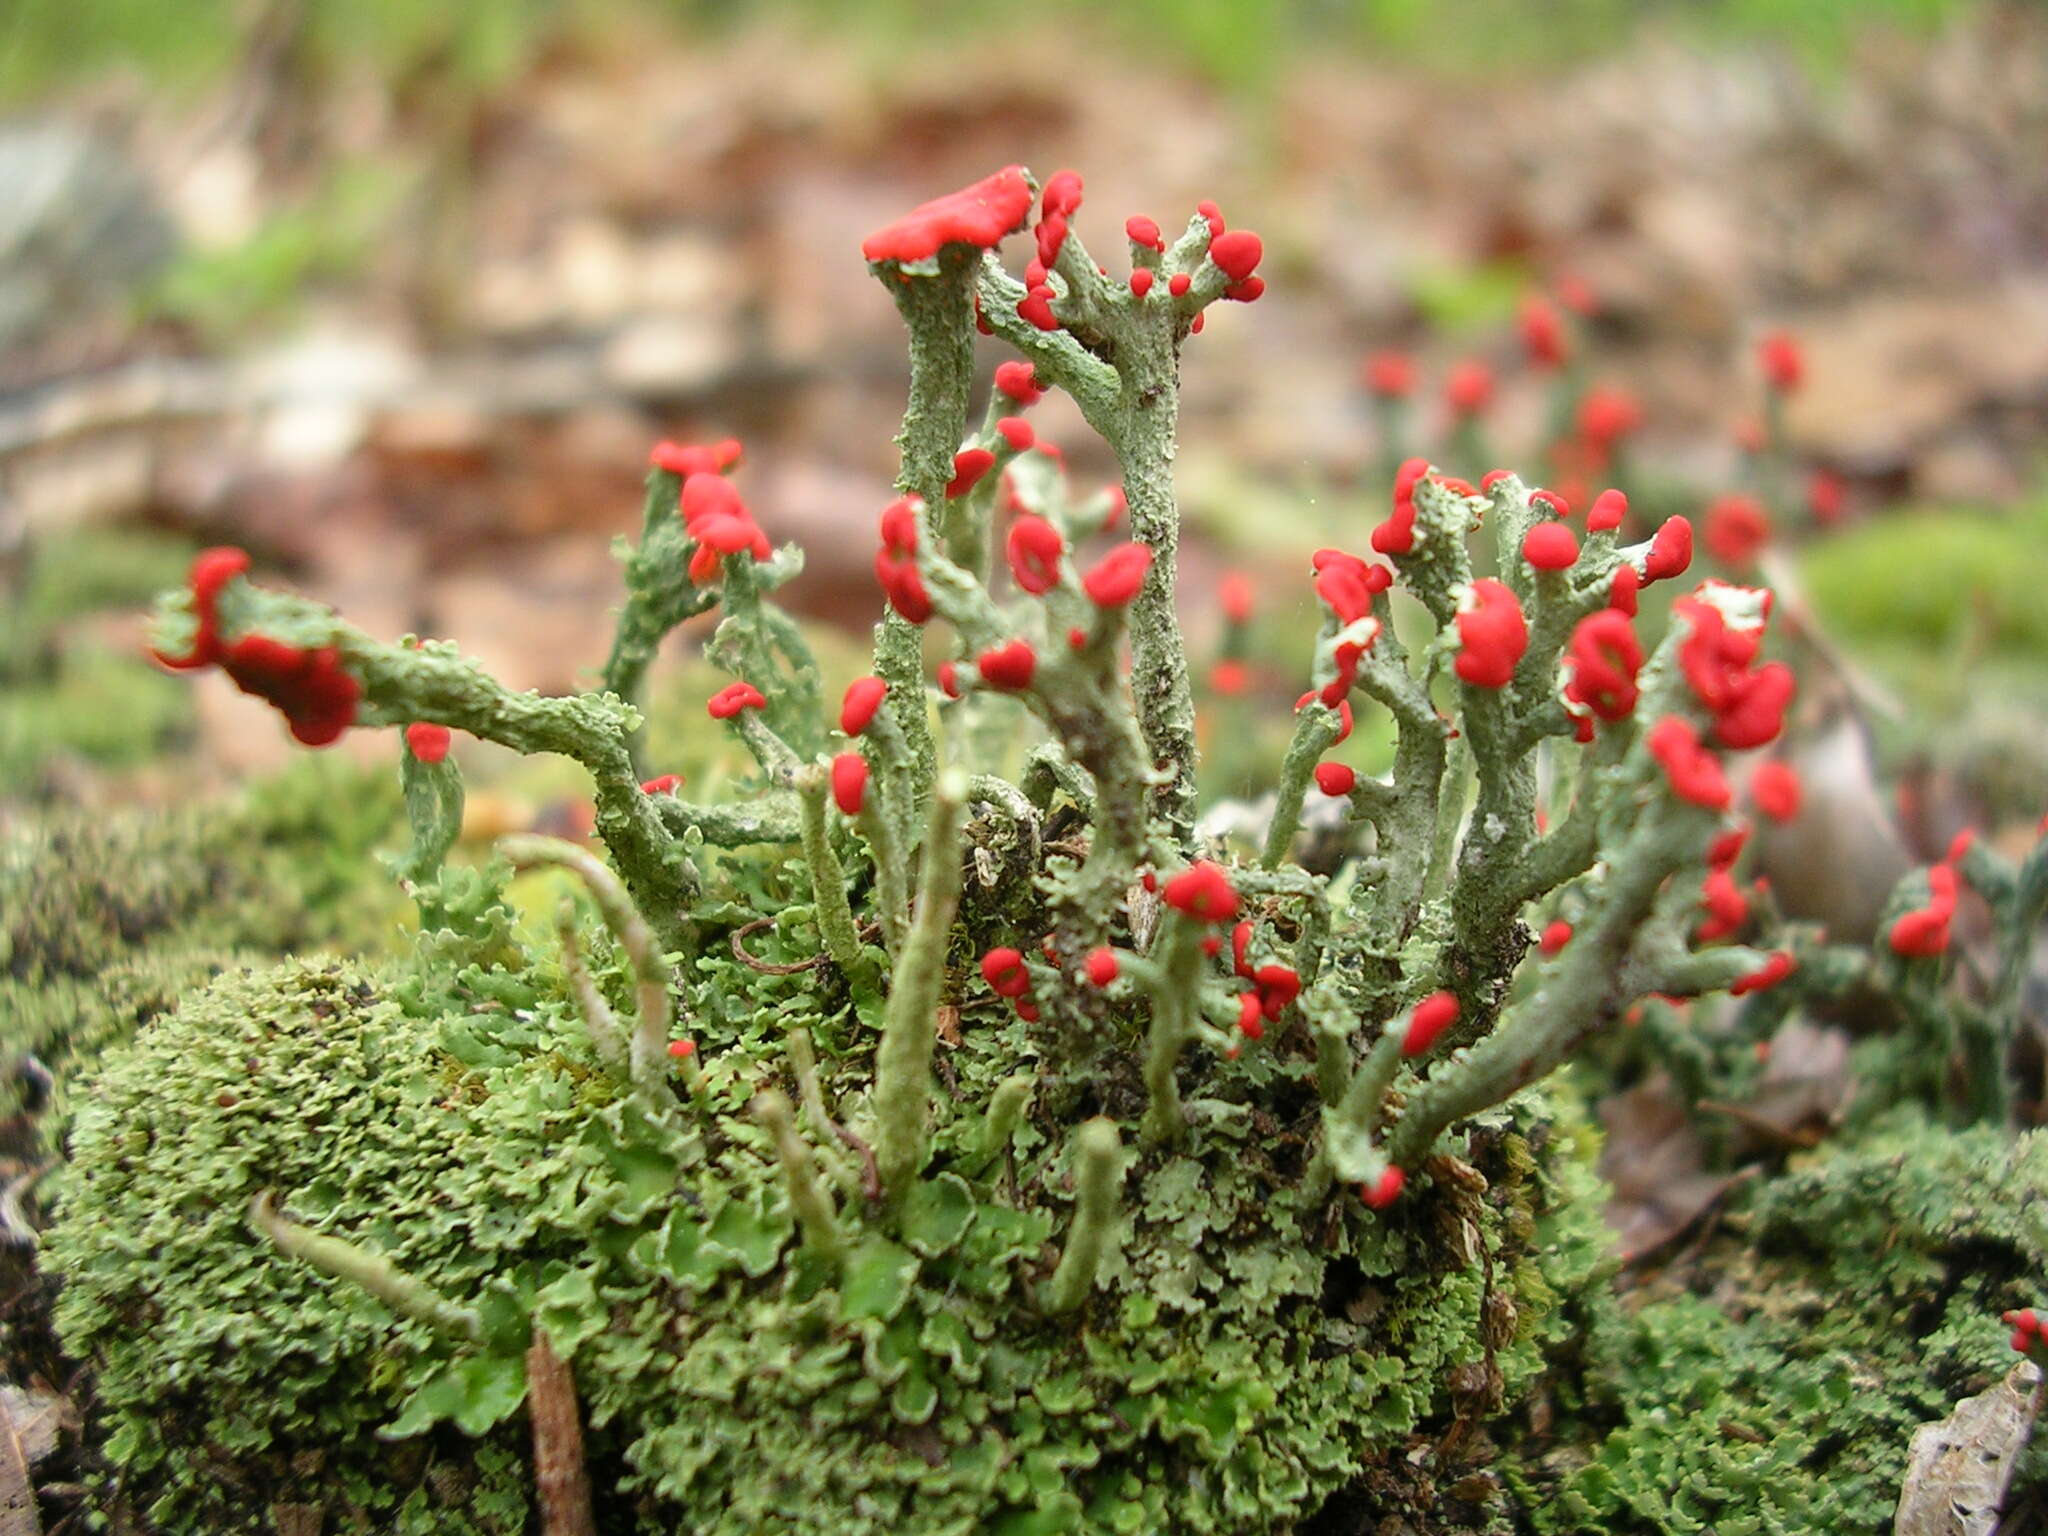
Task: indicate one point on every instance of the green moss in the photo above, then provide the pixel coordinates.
(1861, 1302)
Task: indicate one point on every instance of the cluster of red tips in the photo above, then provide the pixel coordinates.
(1389, 375)
(1009, 666)
(1203, 892)
(1144, 233)
(1236, 253)
(1003, 970)
(1347, 584)
(719, 521)
(1718, 659)
(849, 782)
(428, 742)
(1602, 660)
(863, 698)
(1396, 536)
(1468, 389)
(662, 784)
(1556, 934)
(1273, 986)
(733, 698)
(1492, 635)
(1670, 550)
(1432, 1016)
(1016, 433)
(2026, 1329)
(1737, 528)
(1693, 771)
(1607, 416)
(896, 561)
(1726, 907)
(1060, 201)
(308, 685)
(684, 460)
(969, 465)
(1345, 719)
(1924, 932)
(1774, 970)
(1776, 790)
(1336, 779)
(1020, 382)
(1550, 546)
(1034, 550)
(979, 215)
(1783, 361)
(1101, 967)
(1543, 333)
(1118, 575)
(1384, 1190)
(1607, 512)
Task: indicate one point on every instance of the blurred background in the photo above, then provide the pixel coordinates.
(397, 295)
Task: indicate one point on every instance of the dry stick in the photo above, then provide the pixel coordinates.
(561, 1481)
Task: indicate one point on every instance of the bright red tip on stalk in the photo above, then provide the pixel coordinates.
(1119, 503)
(1179, 284)
(1347, 585)
(1924, 932)
(733, 698)
(1236, 252)
(864, 696)
(1034, 550)
(1606, 513)
(1768, 975)
(1468, 389)
(979, 215)
(1601, 663)
(664, 784)
(1621, 592)
(1141, 282)
(1715, 658)
(1214, 215)
(1492, 634)
(1246, 292)
(1553, 505)
(1960, 845)
(969, 465)
(849, 782)
(1432, 1016)
(1279, 985)
(1396, 536)
(1016, 433)
(1240, 949)
(1251, 1019)
(1036, 306)
(1384, 1190)
(1492, 478)
(1008, 666)
(2026, 1329)
(1003, 970)
(1670, 550)
(1737, 529)
(1783, 361)
(1694, 772)
(1020, 383)
(1827, 497)
(686, 460)
(1142, 231)
(896, 561)
(1726, 907)
(949, 679)
(1101, 966)
(1235, 593)
(1726, 848)
(1556, 935)
(307, 685)
(1607, 415)
(1551, 547)
(1118, 575)
(428, 742)
(1543, 335)
(1203, 892)
(682, 1050)
(1343, 708)
(1389, 375)
(1336, 779)
(1776, 790)
(1229, 677)
(212, 569)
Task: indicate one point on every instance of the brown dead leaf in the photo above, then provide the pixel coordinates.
(1654, 1159)
(1958, 1468)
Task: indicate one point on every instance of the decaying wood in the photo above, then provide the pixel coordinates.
(560, 1479)
(1958, 1468)
(18, 1516)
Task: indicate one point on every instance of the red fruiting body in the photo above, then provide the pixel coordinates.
(1028, 1012)
(1959, 846)
(864, 696)
(1556, 935)
(1390, 375)
(1492, 478)
(1279, 985)
(1343, 708)
(1492, 635)
(1396, 536)
(684, 461)
(1336, 779)
(1670, 550)
(1119, 503)
(1736, 529)
(1469, 388)
(426, 741)
(1203, 892)
(1034, 550)
(1551, 547)
(2026, 1329)
(1621, 592)
(1748, 706)
(1077, 639)
(1003, 970)
(1601, 663)
(1141, 231)
(1726, 907)
(1036, 306)
(1384, 1190)
(1693, 771)
(212, 569)
(1211, 946)
(1229, 677)
(1179, 284)
(1016, 433)
(682, 1050)
(1051, 234)
(1251, 1019)
(1783, 360)
(1008, 666)
(1606, 513)
(1118, 575)
(896, 561)
(1606, 416)
(1768, 975)
(1924, 932)
(1552, 504)
(979, 215)
(1775, 788)
(1235, 593)
(1101, 966)
(1062, 195)
(1246, 292)
(1020, 383)
(1543, 337)
(849, 782)
(733, 698)
(1214, 215)
(1827, 497)
(949, 679)
(1240, 948)
(969, 465)
(1432, 1016)
(1141, 281)
(1236, 252)
(1726, 848)
(1347, 584)
(665, 784)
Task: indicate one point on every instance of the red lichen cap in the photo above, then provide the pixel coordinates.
(1607, 511)
(1003, 970)
(1144, 232)
(1556, 934)
(1389, 375)
(1776, 790)
(1670, 550)
(1236, 252)
(1737, 528)
(849, 782)
(1468, 389)
(662, 784)
(1009, 666)
(685, 460)
(1101, 966)
(1019, 381)
(1336, 779)
(1384, 1190)
(1543, 334)
(1034, 550)
(1492, 634)
(1118, 575)
(864, 696)
(1768, 975)
(1924, 932)
(1202, 891)
(1432, 1016)
(979, 215)
(1783, 360)
(1550, 546)
(1607, 415)
(1694, 772)
(969, 465)
(428, 742)
(1602, 660)
(212, 569)
(733, 698)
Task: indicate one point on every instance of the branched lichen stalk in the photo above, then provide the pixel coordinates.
(808, 1196)
(405, 1295)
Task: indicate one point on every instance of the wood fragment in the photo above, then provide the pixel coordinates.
(1958, 1468)
(560, 1479)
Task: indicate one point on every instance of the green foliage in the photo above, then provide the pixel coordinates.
(1860, 1303)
